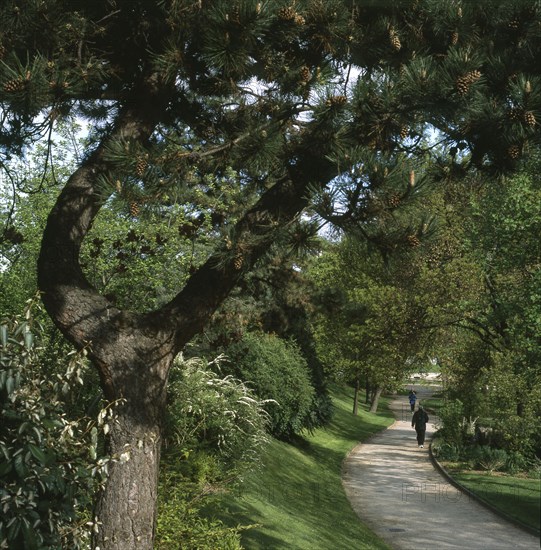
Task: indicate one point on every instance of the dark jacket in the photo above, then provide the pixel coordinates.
(419, 420)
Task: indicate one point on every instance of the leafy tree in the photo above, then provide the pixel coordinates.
(177, 90)
(505, 230)
(372, 333)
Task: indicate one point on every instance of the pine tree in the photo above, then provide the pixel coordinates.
(290, 95)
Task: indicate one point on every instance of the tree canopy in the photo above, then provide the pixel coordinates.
(311, 104)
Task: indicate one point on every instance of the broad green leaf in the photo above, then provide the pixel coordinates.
(5, 468)
(37, 453)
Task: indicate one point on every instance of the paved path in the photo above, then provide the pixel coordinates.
(394, 488)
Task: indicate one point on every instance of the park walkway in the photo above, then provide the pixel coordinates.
(394, 488)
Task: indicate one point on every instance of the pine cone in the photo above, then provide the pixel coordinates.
(529, 118)
(413, 241)
(454, 38)
(462, 85)
(14, 86)
(140, 166)
(299, 20)
(134, 209)
(395, 41)
(235, 14)
(515, 113)
(287, 14)
(473, 76)
(336, 100)
(404, 131)
(394, 200)
(237, 262)
(305, 75)
(513, 151)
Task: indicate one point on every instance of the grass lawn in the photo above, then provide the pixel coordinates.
(517, 497)
(297, 498)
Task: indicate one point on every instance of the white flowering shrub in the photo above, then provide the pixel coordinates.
(215, 431)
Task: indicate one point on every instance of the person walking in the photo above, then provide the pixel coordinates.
(418, 421)
(412, 398)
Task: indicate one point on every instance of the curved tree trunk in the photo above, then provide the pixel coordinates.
(134, 352)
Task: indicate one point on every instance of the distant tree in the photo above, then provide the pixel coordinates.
(292, 97)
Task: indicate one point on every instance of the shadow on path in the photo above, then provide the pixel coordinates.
(394, 488)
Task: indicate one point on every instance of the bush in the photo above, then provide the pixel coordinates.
(219, 415)
(491, 459)
(447, 451)
(277, 371)
(49, 468)
(516, 462)
(180, 524)
(215, 431)
(453, 429)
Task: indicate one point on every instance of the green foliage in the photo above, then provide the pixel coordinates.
(446, 451)
(218, 415)
(49, 463)
(516, 462)
(277, 372)
(215, 432)
(452, 418)
(180, 527)
(490, 459)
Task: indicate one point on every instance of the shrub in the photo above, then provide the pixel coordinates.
(180, 524)
(491, 459)
(447, 451)
(453, 429)
(49, 465)
(277, 371)
(220, 415)
(215, 431)
(516, 462)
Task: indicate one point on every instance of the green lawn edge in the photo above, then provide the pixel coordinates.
(514, 498)
(296, 498)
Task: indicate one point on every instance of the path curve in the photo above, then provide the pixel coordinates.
(394, 488)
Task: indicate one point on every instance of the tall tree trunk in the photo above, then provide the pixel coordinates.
(375, 399)
(367, 389)
(356, 397)
(126, 508)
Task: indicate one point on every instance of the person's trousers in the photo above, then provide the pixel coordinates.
(420, 436)
(412, 405)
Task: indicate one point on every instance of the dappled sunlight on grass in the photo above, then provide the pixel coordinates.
(297, 497)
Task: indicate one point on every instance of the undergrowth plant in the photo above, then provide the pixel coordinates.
(215, 432)
(50, 464)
